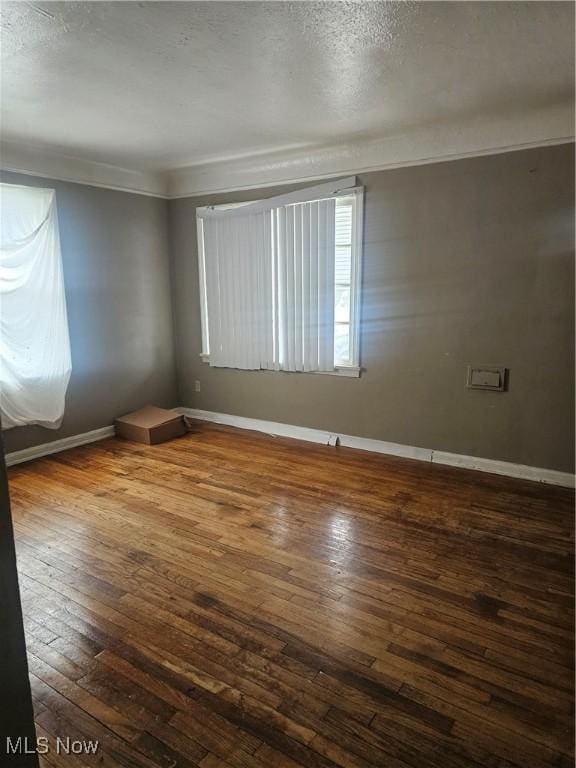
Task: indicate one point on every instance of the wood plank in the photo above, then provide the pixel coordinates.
(231, 600)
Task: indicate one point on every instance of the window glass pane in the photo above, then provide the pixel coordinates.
(343, 267)
(344, 221)
(342, 344)
(342, 304)
(343, 279)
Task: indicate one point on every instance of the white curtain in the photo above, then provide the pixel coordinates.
(268, 272)
(35, 359)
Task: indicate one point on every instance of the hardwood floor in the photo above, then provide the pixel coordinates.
(230, 599)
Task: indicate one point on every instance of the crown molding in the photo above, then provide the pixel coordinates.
(34, 161)
(432, 143)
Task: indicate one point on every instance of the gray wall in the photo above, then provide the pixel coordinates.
(469, 261)
(116, 272)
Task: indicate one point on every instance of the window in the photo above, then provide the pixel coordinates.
(345, 284)
(280, 281)
(34, 345)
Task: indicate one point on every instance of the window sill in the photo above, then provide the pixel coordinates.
(348, 371)
(351, 371)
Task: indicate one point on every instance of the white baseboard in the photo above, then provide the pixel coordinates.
(520, 471)
(322, 437)
(506, 468)
(45, 449)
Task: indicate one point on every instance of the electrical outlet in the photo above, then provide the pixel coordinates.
(197, 385)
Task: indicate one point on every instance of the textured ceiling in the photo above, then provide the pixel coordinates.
(160, 85)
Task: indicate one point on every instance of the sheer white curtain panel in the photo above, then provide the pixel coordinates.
(35, 362)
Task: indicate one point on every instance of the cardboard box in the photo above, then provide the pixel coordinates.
(150, 425)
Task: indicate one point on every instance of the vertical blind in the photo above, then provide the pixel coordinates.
(239, 290)
(305, 268)
(269, 275)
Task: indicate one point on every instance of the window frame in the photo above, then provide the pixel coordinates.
(352, 370)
